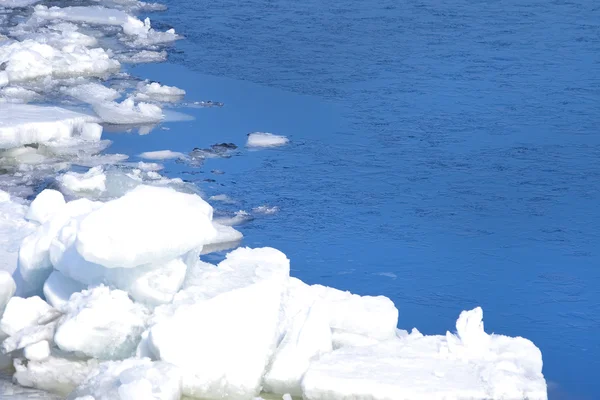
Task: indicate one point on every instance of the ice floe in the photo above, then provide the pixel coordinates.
(156, 92)
(263, 139)
(128, 112)
(22, 124)
(162, 155)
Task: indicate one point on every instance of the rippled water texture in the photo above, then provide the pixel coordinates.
(443, 154)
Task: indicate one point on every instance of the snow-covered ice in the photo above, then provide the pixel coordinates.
(264, 139)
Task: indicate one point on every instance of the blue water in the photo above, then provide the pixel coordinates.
(444, 155)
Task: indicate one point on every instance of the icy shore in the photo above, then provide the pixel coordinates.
(103, 294)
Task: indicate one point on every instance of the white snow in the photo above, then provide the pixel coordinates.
(162, 155)
(24, 124)
(468, 365)
(264, 139)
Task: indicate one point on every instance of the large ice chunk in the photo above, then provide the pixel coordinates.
(307, 339)
(94, 181)
(468, 365)
(35, 265)
(13, 228)
(21, 313)
(58, 373)
(156, 92)
(147, 225)
(47, 203)
(371, 316)
(92, 93)
(38, 351)
(219, 360)
(29, 59)
(264, 139)
(92, 14)
(128, 112)
(132, 379)
(7, 289)
(22, 124)
(101, 323)
(59, 288)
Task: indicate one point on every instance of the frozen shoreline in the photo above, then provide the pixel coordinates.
(120, 272)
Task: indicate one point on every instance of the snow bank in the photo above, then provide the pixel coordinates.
(22, 124)
(262, 139)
